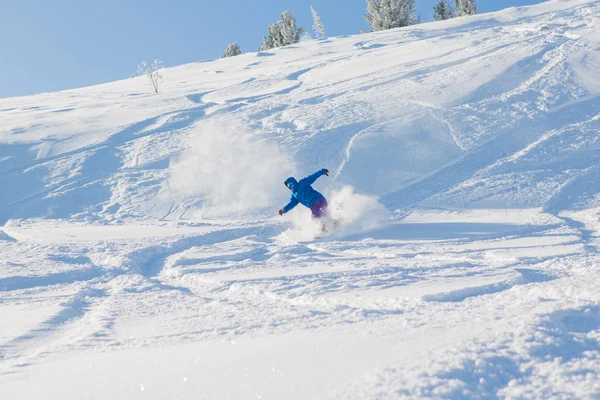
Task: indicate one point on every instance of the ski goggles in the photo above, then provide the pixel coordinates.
(290, 185)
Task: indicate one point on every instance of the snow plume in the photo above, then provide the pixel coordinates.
(356, 212)
(348, 212)
(228, 170)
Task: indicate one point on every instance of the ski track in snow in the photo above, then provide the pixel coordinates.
(481, 139)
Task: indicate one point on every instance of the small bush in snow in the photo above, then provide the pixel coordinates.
(232, 50)
(465, 7)
(318, 27)
(443, 10)
(388, 14)
(282, 33)
(152, 72)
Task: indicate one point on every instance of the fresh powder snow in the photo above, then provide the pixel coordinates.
(142, 257)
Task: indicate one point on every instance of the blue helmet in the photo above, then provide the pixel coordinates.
(291, 183)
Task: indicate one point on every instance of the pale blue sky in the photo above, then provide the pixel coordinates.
(50, 45)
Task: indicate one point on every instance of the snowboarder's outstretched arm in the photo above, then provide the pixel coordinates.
(293, 203)
(312, 178)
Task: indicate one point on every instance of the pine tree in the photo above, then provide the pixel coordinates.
(318, 26)
(267, 43)
(282, 33)
(232, 50)
(442, 11)
(465, 7)
(388, 14)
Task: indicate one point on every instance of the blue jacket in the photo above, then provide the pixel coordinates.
(304, 193)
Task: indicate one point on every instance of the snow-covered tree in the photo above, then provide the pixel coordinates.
(290, 34)
(142, 68)
(465, 7)
(443, 10)
(232, 50)
(388, 14)
(152, 72)
(305, 37)
(318, 26)
(267, 43)
(282, 33)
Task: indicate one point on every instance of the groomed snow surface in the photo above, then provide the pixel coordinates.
(141, 255)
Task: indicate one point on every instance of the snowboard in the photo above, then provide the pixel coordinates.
(325, 228)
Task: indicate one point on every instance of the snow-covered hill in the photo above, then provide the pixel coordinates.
(141, 255)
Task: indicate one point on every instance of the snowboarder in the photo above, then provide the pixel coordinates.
(302, 192)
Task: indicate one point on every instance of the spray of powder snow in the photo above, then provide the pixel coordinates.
(348, 212)
(229, 171)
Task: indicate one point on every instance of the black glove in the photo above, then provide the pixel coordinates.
(281, 212)
(327, 172)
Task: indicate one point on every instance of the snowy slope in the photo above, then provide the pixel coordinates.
(141, 255)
